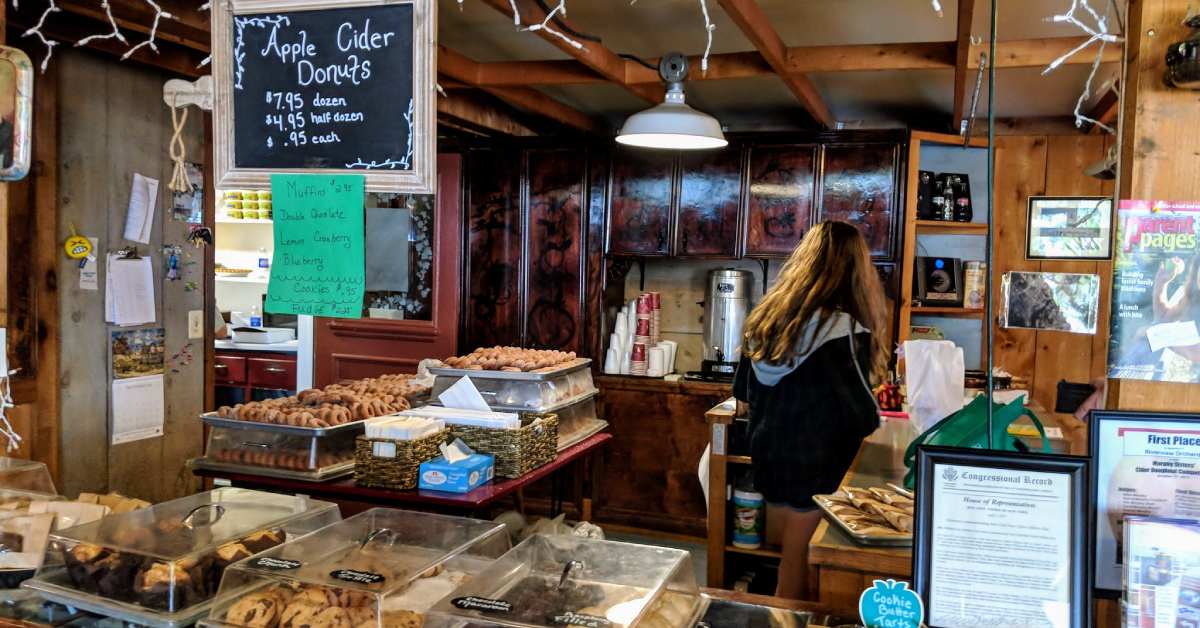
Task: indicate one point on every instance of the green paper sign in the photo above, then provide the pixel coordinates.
(318, 265)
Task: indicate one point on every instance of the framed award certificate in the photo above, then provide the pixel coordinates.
(1001, 539)
(1144, 463)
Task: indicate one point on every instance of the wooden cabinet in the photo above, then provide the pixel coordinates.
(858, 186)
(272, 372)
(240, 375)
(493, 315)
(639, 216)
(554, 290)
(779, 198)
(710, 186)
(229, 369)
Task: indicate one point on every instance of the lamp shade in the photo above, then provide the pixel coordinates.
(674, 126)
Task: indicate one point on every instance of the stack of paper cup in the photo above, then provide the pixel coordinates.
(668, 347)
(655, 318)
(656, 362)
(611, 364)
(638, 366)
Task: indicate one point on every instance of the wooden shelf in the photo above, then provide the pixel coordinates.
(947, 311)
(738, 459)
(951, 228)
(764, 552)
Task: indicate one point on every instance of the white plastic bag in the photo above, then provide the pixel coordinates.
(934, 374)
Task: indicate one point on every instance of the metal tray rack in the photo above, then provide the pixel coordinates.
(214, 420)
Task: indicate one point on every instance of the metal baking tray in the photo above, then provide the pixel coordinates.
(897, 540)
(213, 419)
(570, 367)
(341, 469)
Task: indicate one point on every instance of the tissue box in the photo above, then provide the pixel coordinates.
(461, 477)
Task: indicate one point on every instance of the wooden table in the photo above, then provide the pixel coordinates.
(344, 492)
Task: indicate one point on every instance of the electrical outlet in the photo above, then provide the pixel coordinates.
(195, 324)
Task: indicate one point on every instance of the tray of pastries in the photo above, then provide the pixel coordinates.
(336, 407)
(512, 363)
(160, 566)
(871, 516)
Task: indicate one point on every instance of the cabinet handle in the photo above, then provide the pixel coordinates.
(223, 367)
(274, 369)
(258, 445)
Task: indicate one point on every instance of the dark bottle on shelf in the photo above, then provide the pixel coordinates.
(962, 209)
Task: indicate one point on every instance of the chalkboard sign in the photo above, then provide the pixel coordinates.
(326, 87)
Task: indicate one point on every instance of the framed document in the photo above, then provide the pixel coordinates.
(1001, 539)
(1144, 463)
(1069, 227)
(1162, 572)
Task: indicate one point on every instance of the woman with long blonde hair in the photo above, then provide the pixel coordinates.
(810, 350)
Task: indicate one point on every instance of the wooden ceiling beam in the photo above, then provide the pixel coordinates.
(1032, 53)
(461, 68)
(755, 25)
(870, 57)
(461, 110)
(592, 54)
(962, 56)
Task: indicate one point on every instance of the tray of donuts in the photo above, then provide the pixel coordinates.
(337, 407)
(512, 363)
(262, 451)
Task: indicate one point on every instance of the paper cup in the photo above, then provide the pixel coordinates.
(655, 362)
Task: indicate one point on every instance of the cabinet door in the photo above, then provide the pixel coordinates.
(639, 214)
(859, 187)
(779, 199)
(554, 293)
(493, 313)
(709, 197)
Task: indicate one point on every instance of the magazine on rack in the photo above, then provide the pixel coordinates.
(1156, 292)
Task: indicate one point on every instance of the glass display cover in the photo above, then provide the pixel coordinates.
(572, 581)
(381, 567)
(160, 566)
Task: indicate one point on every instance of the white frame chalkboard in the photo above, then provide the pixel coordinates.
(421, 179)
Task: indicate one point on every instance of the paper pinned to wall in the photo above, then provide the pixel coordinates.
(138, 408)
(143, 200)
(89, 273)
(129, 291)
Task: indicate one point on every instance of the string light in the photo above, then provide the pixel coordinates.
(708, 31)
(207, 60)
(6, 401)
(159, 14)
(1098, 33)
(561, 7)
(36, 29)
(115, 33)
(937, 8)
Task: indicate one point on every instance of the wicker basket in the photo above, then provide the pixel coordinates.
(519, 451)
(397, 473)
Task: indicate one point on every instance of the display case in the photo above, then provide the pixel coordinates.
(382, 567)
(566, 580)
(577, 418)
(302, 453)
(26, 475)
(525, 392)
(160, 566)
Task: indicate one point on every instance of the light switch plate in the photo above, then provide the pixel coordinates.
(195, 324)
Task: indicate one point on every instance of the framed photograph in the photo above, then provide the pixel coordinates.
(1069, 227)
(1052, 301)
(325, 87)
(1001, 539)
(1144, 463)
(16, 107)
(1162, 572)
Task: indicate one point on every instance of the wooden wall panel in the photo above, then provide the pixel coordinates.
(1020, 173)
(113, 124)
(556, 249)
(493, 313)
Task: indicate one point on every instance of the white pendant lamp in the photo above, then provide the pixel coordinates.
(673, 125)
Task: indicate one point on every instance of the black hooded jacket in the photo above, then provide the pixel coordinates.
(808, 417)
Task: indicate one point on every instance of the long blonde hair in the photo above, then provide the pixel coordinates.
(829, 271)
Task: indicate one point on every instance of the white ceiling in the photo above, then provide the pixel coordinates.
(651, 28)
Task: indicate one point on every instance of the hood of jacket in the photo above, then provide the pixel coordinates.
(840, 325)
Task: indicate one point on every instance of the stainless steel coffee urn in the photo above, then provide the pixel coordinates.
(725, 308)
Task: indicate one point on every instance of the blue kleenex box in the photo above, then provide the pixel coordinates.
(461, 477)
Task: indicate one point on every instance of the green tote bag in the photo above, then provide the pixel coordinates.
(967, 428)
